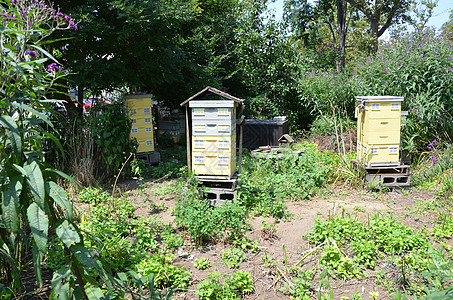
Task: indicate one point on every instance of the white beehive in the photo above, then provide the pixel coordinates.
(213, 132)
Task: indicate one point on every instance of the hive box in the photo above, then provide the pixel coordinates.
(378, 130)
(213, 137)
(140, 113)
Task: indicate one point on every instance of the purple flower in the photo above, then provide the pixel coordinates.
(53, 67)
(60, 14)
(72, 25)
(434, 159)
(31, 53)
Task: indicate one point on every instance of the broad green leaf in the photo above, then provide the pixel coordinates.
(35, 182)
(14, 139)
(59, 196)
(19, 169)
(37, 259)
(65, 176)
(68, 234)
(86, 258)
(10, 203)
(60, 283)
(33, 111)
(39, 225)
(94, 293)
(45, 53)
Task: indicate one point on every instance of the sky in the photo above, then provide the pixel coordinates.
(440, 15)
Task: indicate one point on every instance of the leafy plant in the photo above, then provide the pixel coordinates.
(166, 274)
(232, 288)
(301, 288)
(233, 257)
(201, 263)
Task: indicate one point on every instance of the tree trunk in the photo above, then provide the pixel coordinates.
(342, 30)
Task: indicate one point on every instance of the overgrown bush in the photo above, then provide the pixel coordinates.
(203, 222)
(295, 176)
(325, 94)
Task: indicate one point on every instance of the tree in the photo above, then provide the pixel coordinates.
(448, 26)
(134, 44)
(381, 14)
(421, 13)
(334, 14)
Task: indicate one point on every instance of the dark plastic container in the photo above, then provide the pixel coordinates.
(264, 132)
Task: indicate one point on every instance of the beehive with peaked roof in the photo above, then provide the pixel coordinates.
(211, 132)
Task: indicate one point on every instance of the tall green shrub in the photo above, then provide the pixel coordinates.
(324, 94)
(32, 204)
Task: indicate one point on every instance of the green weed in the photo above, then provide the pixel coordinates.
(202, 263)
(213, 288)
(166, 274)
(233, 257)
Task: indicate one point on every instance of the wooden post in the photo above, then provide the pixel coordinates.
(241, 124)
(189, 150)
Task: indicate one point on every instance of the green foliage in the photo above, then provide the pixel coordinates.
(232, 288)
(244, 244)
(92, 195)
(301, 284)
(110, 126)
(334, 260)
(233, 257)
(203, 222)
(294, 176)
(166, 274)
(201, 263)
(31, 200)
(365, 242)
(324, 94)
(325, 125)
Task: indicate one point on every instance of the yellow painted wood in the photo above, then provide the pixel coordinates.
(213, 163)
(214, 143)
(378, 128)
(140, 113)
(381, 153)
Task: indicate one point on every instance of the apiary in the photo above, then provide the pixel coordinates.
(140, 112)
(378, 130)
(211, 132)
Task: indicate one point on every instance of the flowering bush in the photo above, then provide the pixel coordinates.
(323, 93)
(419, 67)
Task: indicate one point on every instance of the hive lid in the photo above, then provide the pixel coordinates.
(210, 92)
(379, 98)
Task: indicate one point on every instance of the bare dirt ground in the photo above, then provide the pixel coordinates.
(288, 236)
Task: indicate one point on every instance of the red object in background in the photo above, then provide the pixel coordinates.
(92, 101)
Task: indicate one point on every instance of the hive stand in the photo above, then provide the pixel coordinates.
(219, 189)
(393, 178)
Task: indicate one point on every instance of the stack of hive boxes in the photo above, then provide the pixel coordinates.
(378, 130)
(140, 112)
(213, 137)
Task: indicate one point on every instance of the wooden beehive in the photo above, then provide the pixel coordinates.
(140, 112)
(212, 132)
(378, 130)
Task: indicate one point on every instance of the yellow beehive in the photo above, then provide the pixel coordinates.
(378, 130)
(212, 142)
(140, 113)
